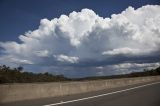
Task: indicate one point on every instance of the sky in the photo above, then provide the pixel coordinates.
(79, 38)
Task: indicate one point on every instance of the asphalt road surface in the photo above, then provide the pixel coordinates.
(146, 94)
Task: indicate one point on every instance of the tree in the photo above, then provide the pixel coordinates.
(20, 68)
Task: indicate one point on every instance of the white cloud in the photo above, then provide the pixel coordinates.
(136, 65)
(12, 59)
(43, 53)
(64, 58)
(124, 50)
(86, 37)
(21, 61)
(99, 67)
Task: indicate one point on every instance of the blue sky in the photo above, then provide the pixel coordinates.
(19, 16)
(102, 37)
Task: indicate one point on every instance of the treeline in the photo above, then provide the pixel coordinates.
(145, 72)
(17, 75)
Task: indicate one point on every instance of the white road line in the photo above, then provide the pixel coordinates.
(91, 97)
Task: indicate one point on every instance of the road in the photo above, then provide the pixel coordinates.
(146, 94)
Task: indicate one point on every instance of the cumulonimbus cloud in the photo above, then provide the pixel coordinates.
(86, 37)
